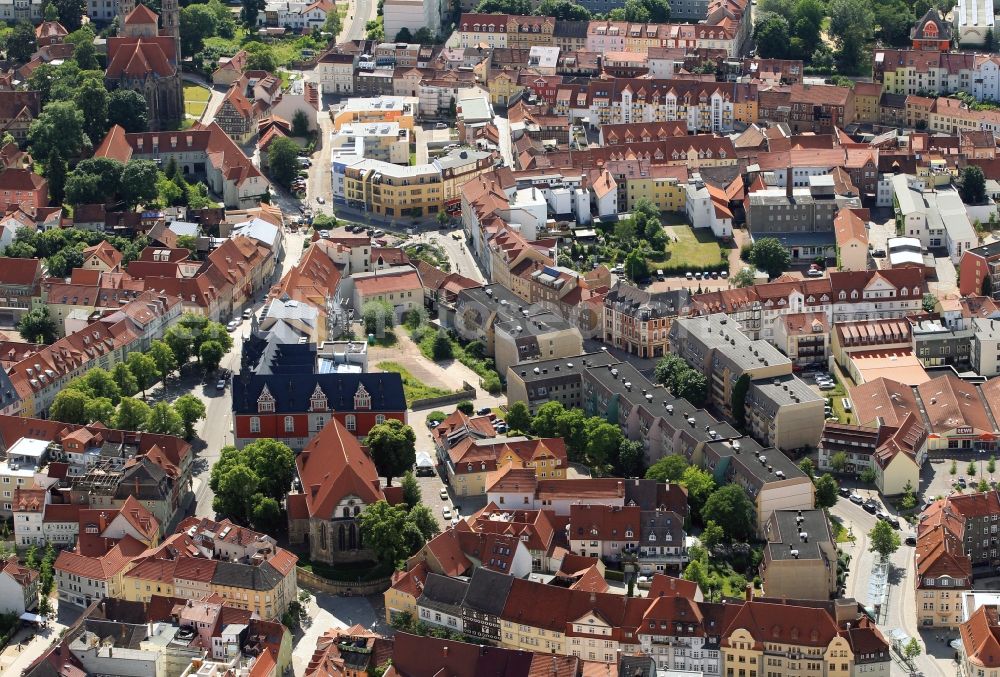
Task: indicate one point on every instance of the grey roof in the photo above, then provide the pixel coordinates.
(460, 157)
(987, 250)
(570, 29)
(487, 591)
(747, 464)
(717, 332)
(144, 480)
(511, 311)
(644, 304)
(562, 367)
(184, 228)
(260, 577)
(443, 593)
(258, 229)
(628, 383)
(782, 390)
(784, 529)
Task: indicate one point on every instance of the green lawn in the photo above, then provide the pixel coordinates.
(689, 247)
(412, 388)
(195, 99)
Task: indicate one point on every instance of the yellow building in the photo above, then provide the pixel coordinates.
(866, 98)
(419, 190)
(663, 186)
(524, 32)
(474, 463)
(503, 86)
(407, 586)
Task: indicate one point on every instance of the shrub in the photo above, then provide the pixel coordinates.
(491, 383)
(466, 407)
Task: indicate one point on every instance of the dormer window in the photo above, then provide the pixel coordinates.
(362, 400)
(265, 403)
(318, 401)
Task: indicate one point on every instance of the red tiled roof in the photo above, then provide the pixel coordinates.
(334, 465)
(141, 15)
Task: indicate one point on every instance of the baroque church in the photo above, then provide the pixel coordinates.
(145, 59)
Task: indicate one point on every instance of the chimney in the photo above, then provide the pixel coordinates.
(444, 650)
(748, 594)
(102, 521)
(788, 182)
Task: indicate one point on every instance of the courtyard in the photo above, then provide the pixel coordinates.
(196, 99)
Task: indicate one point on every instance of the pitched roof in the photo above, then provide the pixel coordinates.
(141, 15)
(333, 466)
(131, 57)
(981, 637)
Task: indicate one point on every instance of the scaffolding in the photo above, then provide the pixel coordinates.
(103, 478)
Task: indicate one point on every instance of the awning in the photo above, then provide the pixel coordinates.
(32, 618)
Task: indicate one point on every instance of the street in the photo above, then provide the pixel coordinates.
(215, 431)
(900, 611)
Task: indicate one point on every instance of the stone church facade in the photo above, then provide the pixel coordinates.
(146, 59)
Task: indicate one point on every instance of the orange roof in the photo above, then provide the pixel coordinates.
(142, 15)
(981, 637)
(849, 226)
(333, 465)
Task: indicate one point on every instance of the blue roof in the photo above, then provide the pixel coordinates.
(292, 393)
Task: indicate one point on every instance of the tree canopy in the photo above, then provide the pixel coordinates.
(730, 506)
(246, 480)
(770, 256)
(393, 448)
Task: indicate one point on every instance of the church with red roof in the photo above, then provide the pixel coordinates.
(146, 60)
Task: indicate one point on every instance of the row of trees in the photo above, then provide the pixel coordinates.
(106, 397)
(46, 574)
(682, 381)
(640, 11)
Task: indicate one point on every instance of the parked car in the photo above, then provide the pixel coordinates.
(689, 275)
(440, 125)
(446, 512)
(233, 326)
(845, 492)
(378, 233)
(856, 498)
(826, 385)
(878, 253)
(482, 411)
(444, 493)
(220, 384)
(814, 272)
(910, 540)
(846, 403)
(870, 506)
(659, 273)
(962, 483)
(248, 313)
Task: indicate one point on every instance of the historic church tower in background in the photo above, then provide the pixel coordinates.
(170, 13)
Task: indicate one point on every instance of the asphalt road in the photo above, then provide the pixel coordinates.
(901, 610)
(216, 430)
(359, 14)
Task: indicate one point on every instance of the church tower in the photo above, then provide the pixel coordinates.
(171, 15)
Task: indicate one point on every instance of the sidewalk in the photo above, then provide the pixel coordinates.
(28, 644)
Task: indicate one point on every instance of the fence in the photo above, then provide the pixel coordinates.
(466, 393)
(314, 583)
